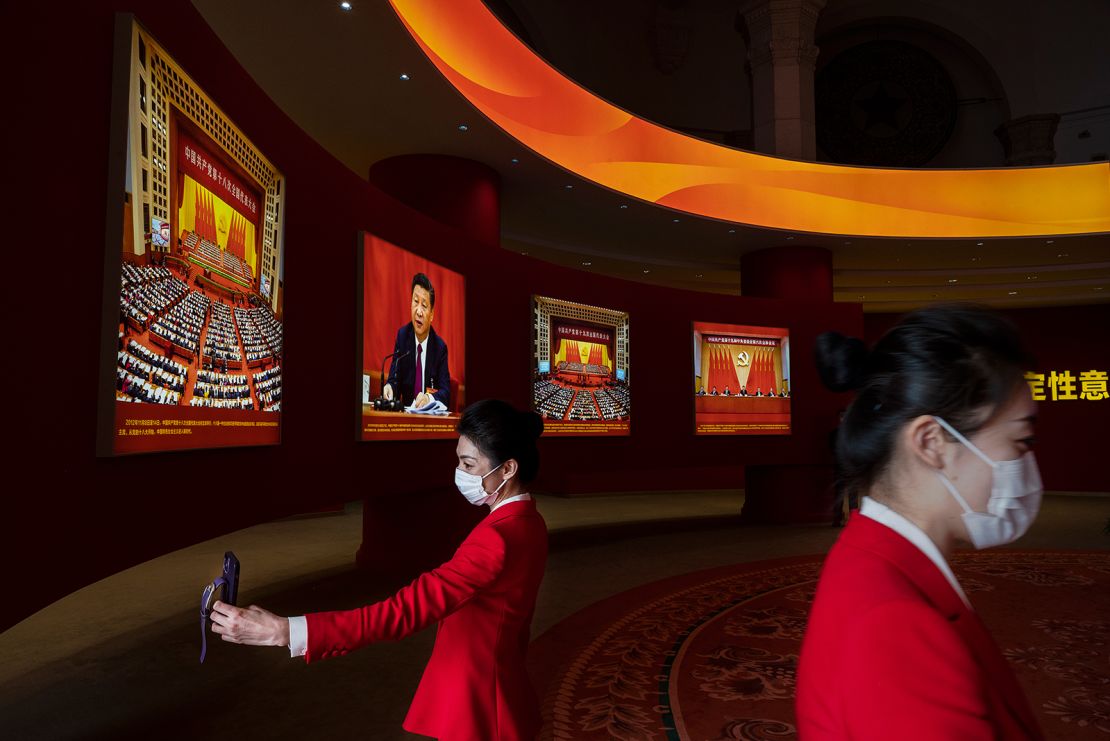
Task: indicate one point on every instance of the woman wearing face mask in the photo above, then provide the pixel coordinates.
(475, 685)
(938, 440)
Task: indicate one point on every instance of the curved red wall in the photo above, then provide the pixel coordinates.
(73, 518)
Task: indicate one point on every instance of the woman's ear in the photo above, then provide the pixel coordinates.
(925, 440)
(510, 468)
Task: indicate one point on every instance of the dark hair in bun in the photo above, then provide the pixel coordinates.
(501, 432)
(956, 361)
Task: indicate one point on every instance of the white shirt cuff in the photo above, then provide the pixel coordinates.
(298, 636)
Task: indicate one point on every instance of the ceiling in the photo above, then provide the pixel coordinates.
(337, 74)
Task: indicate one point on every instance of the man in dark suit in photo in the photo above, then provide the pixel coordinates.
(419, 370)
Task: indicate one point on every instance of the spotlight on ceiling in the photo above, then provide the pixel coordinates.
(345, 6)
(624, 205)
(515, 161)
(587, 264)
(464, 127)
(646, 271)
(568, 186)
(405, 77)
(676, 220)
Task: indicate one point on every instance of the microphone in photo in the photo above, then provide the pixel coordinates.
(395, 404)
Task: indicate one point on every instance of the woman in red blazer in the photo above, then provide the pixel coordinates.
(938, 438)
(475, 686)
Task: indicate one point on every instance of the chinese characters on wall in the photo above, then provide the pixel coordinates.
(588, 334)
(1063, 386)
(198, 160)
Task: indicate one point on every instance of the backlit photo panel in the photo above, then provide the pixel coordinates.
(192, 333)
(580, 371)
(741, 380)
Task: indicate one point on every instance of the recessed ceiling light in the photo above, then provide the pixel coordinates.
(789, 238)
(1063, 254)
(587, 264)
(569, 186)
(1050, 241)
(888, 282)
(978, 244)
(624, 205)
(1099, 288)
(731, 231)
(464, 127)
(975, 259)
(524, 253)
(405, 77)
(699, 275)
(1013, 293)
(646, 272)
(847, 243)
(515, 161)
(345, 6)
(953, 280)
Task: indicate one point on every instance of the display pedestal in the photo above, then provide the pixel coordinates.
(788, 495)
(406, 535)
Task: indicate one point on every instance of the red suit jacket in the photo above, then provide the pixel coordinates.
(475, 686)
(892, 652)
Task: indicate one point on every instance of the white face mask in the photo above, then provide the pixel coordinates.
(470, 484)
(1015, 499)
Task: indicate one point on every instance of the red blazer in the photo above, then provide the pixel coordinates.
(892, 652)
(475, 686)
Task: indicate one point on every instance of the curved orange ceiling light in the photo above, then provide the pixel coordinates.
(572, 127)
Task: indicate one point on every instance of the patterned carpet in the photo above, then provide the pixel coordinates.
(711, 656)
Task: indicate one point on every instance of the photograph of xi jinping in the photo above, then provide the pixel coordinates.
(418, 371)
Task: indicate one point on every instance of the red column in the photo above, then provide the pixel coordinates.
(459, 192)
(793, 273)
(398, 539)
(786, 493)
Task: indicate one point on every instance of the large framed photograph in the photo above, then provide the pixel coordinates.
(741, 380)
(192, 350)
(580, 370)
(412, 335)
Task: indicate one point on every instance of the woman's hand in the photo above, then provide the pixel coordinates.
(252, 626)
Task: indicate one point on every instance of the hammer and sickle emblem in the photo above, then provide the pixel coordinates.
(743, 359)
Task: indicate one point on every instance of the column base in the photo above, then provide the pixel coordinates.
(788, 495)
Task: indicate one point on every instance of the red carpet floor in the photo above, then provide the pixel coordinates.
(712, 655)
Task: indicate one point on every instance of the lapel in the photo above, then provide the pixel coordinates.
(432, 353)
(407, 344)
(869, 535)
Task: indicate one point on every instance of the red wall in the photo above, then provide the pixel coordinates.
(1071, 435)
(72, 518)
